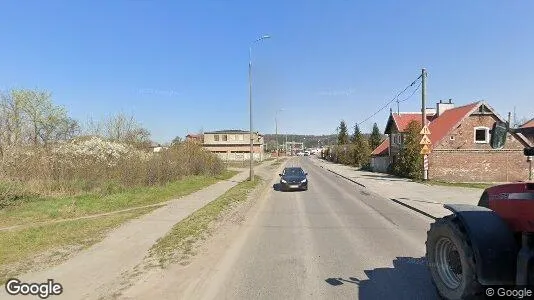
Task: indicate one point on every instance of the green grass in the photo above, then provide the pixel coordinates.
(461, 184)
(53, 208)
(179, 241)
(20, 250)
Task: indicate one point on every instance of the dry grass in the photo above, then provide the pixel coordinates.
(30, 173)
(178, 243)
(39, 247)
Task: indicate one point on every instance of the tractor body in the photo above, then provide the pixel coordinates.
(488, 244)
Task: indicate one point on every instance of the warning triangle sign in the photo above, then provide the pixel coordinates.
(425, 130)
(425, 150)
(425, 140)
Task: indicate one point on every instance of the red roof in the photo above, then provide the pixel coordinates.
(402, 120)
(382, 149)
(443, 124)
(529, 124)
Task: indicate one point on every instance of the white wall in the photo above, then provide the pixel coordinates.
(380, 164)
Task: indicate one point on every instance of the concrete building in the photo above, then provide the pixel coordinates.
(461, 150)
(196, 138)
(234, 145)
(293, 147)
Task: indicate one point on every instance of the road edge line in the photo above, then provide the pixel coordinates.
(414, 209)
(345, 177)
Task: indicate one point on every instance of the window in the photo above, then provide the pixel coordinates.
(224, 137)
(452, 138)
(397, 139)
(481, 135)
(216, 137)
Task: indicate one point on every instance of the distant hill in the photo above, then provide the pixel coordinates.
(310, 141)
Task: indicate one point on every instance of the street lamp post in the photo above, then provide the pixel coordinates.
(276, 131)
(251, 174)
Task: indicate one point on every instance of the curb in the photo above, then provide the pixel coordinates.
(413, 208)
(345, 177)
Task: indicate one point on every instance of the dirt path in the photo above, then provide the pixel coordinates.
(90, 270)
(84, 217)
(182, 281)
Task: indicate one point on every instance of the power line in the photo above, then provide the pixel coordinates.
(392, 100)
(411, 95)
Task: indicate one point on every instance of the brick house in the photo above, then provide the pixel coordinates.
(461, 150)
(527, 130)
(384, 155)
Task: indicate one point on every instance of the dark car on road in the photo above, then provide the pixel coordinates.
(293, 178)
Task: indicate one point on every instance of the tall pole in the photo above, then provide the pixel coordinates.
(251, 172)
(423, 115)
(276, 133)
(251, 175)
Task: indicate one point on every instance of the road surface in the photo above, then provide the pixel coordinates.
(334, 241)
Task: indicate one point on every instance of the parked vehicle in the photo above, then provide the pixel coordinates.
(488, 244)
(293, 178)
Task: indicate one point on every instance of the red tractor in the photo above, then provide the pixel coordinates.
(488, 244)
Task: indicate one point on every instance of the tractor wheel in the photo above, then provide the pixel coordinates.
(451, 260)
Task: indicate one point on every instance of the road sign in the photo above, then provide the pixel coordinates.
(425, 130)
(425, 141)
(425, 150)
(425, 162)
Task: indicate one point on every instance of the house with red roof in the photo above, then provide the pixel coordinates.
(527, 130)
(461, 150)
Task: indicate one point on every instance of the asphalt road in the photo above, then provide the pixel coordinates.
(334, 241)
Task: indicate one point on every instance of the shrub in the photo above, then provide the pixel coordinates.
(102, 166)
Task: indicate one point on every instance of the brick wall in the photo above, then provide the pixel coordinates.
(463, 135)
(478, 165)
(460, 159)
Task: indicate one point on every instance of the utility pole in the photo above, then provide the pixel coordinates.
(423, 120)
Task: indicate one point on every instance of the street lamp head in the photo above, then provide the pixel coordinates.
(266, 36)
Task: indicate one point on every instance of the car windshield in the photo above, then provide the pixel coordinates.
(294, 172)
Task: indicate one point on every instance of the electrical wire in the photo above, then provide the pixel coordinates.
(392, 100)
(411, 95)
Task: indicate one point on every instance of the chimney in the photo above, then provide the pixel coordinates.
(442, 106)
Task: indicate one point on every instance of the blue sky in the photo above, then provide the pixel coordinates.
(181, 66)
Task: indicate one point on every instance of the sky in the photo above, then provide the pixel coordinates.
(182, 66)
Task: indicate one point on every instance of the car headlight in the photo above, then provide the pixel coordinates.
(283, 181)
(303, 181)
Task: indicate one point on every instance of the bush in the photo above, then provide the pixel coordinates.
(102, 166)
(12, 193)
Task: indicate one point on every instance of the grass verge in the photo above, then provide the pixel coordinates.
(178, 243)
(42, 246)
(461, 184)
(55, 208)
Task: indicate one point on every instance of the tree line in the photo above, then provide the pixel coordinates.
(30, 118)
(356, 150)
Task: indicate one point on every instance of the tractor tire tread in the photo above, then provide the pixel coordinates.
(472, 289)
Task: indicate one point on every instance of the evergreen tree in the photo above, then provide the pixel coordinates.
(356, 133)
(343, 136)
(376, 138)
